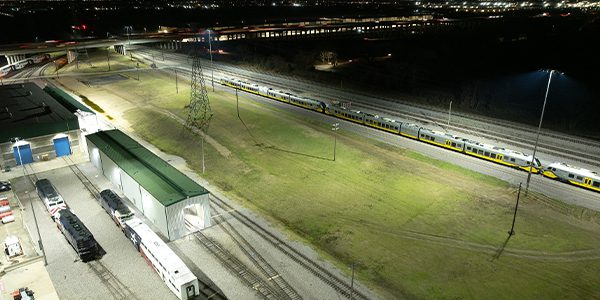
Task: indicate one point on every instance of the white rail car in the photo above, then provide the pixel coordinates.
(170, 268)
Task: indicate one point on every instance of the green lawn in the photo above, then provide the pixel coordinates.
(414, 226)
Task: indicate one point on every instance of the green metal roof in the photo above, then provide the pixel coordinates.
(155, 175)
(66, 100)
(27, 111)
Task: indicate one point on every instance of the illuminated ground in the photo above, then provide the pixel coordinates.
(415, 227)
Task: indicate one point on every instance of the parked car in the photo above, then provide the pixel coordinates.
(5, 186)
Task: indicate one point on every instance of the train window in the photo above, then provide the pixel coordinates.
(512, 159)
(453, 144)
(468, 148)
(596, 183)
(571, 176)
(579, 177)
(492, 155)
(554, 169)
(486, 153)
(422, 135)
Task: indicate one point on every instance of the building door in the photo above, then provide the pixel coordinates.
(62, 146)
(23, 154)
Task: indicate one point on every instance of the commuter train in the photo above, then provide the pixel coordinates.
(5, 70)
(80, 238)
(23, 63)
(77, 235)
(114, 206)
(53, 201)
(178, 278)
(515, 159)
(573, 175)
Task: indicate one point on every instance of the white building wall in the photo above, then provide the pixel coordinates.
(177, 228)
(154, 211)
(94, 154)
(131, 189)
(111, 171)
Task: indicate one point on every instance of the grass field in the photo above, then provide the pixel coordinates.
(414, 226)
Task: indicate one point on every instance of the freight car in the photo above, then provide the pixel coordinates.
(114, 206)
(180, 280)
(80, 238)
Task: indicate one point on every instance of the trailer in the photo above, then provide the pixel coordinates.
(75, 232)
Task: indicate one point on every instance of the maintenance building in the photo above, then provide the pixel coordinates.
(39, 124)
(173, 202)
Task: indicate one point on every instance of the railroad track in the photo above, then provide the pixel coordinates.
(285, 290)
(582, 155)
(237, 267)
(338, 284)
(116, 288)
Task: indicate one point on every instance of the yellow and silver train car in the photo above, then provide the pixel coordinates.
(502, 156)
(573, 175)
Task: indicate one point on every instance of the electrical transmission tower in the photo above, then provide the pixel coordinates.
(199, 112)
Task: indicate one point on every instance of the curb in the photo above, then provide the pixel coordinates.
(20, 264)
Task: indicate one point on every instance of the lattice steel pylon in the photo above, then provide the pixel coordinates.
(199, 112)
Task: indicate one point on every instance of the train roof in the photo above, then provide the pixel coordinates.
(575, 170)
(501, 150)
(73, 225)
(161, 251)
(115, 201)
(47, 188)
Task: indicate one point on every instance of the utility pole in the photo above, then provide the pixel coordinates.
(449, 113)
(137, 67)
(352, 283)
(176, 85)
(40, 243)
(108, 58)
(212, 71)
(199, 111)
(335, 127)
(512, 231)
(237, 101)
(538, 132)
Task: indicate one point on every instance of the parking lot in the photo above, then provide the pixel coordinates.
(120, 272)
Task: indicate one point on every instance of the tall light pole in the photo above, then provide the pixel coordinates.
(128, 29)
(449, 113)
(108, 58)
(538, 131)
(212, 71)
(40, 243)
(335, 127)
